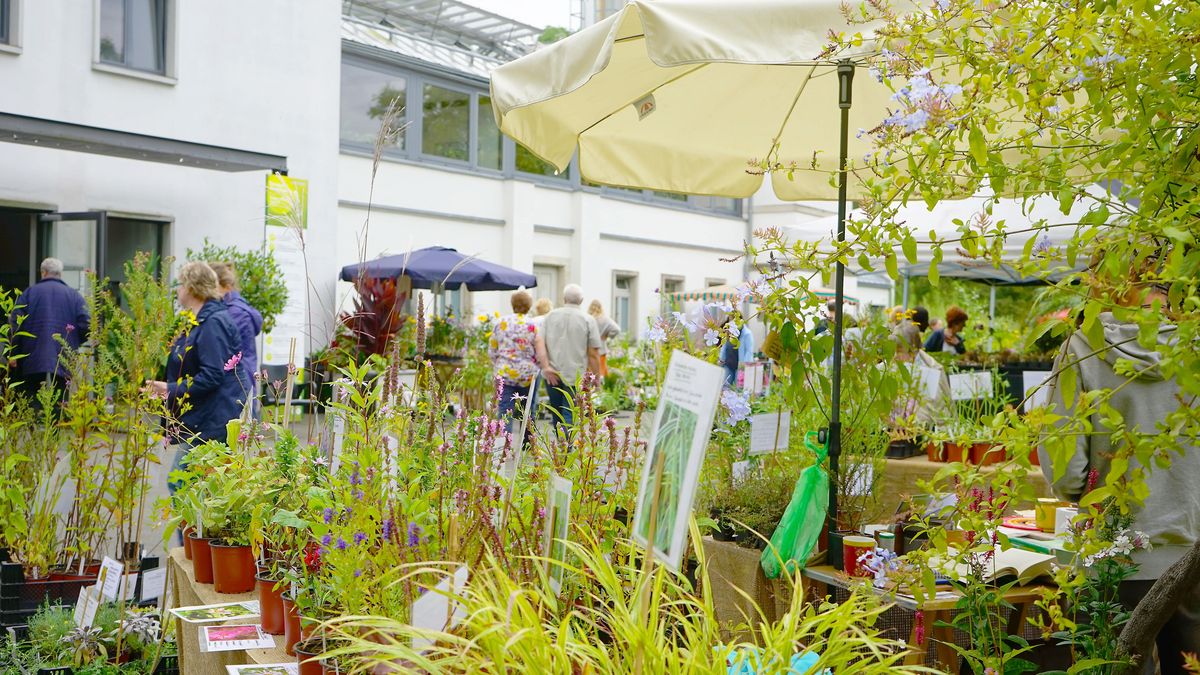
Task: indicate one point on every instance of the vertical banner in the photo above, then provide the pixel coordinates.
(287, 222)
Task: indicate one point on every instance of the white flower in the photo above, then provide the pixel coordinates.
(711, 337)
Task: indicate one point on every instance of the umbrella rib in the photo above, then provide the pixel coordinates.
(792, 108)
(620, 107)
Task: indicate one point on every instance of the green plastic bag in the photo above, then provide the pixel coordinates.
(798, 530)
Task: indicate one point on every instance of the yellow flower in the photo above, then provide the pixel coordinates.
(189, 317)
(483, 318)
(503, 325)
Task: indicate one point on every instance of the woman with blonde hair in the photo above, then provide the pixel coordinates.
(608, 329)
(206, 383)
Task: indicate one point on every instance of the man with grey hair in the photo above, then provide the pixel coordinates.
(46, 309)
(567, 344)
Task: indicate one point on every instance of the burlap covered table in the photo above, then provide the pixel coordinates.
(742, 595)
(186, 592)
(900, 476)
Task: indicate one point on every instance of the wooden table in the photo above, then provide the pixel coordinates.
(186, 593)
(935, 610)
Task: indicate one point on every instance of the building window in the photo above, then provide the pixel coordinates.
(547, 282)
(624, 292)
(6, 12)
(527, 162)
(368, 97)
(489, 141)
(133, 34)
(669, 196)
(446, 123)
(670, 285)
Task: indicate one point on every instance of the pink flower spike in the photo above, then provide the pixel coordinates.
(233, 362)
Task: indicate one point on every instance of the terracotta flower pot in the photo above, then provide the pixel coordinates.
(936, 452)
(270, 600)
(953, 452)
(291, 624)
(984, 454)
(1033, 458)
(308, 655)
(187, 541)
(233, 568)
(201, 559)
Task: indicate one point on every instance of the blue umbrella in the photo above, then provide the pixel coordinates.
(441, 267)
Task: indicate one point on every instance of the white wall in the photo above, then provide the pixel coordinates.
(260, 76)
(519, 223)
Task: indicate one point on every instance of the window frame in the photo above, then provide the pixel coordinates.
(472, 131)
(377, 66)
(165, 76)
(10, 30)
(630, 292)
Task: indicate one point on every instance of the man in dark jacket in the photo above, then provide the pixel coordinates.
(46, 309)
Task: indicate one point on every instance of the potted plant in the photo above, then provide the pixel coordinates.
(233, 492)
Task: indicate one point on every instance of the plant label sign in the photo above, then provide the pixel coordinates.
(682, 426)
(154, 582)
(86, 606)
(438, 609)
(234, 638)
(970, 386)
(769, 432)
(753, 377)
(927, 381)
(740, 469)
(558, 530)
(112, 573)
(1036, 384)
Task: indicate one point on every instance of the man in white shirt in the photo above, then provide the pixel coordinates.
(568, 343)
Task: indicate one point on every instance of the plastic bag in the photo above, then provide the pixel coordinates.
(798, 530)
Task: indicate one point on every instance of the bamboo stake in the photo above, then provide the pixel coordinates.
(291, 377)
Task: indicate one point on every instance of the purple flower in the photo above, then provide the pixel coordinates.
(1043, 245)
(358, 494)
(389, 526)
(70, 328)
(327, 515)
(736, 405)
(357, 573)
(656, 333)
(341, 544)
(359, 537)
(711, 337)
(414, 534)
(326, 539)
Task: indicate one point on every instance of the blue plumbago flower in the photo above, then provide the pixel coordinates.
(723, 305)
(326, 539)
(327, 515)
(414, 534)
(736, 404)
(341, 544)
(359, 537)
(1054, 109)
(1043, 245)
(1078, 79)
(711, 337)
(1104, 59)
(924, 103)
(942, 5)
(656, 333)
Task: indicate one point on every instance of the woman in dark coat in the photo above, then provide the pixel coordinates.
(206, 384)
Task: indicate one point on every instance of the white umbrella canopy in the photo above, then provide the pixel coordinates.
(681, 95)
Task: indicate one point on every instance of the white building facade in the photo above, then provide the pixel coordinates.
(449, 178)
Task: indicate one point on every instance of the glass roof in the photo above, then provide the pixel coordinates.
(448, 22)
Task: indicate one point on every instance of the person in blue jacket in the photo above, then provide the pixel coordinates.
(206, 385)
(46, 309)
(249, 321)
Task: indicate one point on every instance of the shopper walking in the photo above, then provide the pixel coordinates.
(568, 344)
(512, 349)
(949, 339)
(249, 320)
(608, 330)
(206, 385)
(47, 310)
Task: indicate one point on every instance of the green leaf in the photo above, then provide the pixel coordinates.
(892, 270)
(934, 276)
(910, 249)
(1067, 381)
(978, 146)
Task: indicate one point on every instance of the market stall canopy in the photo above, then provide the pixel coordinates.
(442, 267)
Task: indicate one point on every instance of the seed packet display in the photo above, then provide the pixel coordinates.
(234, 638)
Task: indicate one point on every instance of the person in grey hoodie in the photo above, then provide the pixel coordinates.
(1170, 514)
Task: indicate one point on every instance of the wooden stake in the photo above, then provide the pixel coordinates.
(291, 376)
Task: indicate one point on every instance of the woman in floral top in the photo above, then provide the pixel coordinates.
(514, 360)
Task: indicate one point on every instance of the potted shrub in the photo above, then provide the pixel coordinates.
(232, 491)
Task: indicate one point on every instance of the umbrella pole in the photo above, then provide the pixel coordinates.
(845, 82)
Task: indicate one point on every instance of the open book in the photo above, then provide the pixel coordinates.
(1026, 566)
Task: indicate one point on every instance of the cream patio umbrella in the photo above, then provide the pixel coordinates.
(687, 95)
